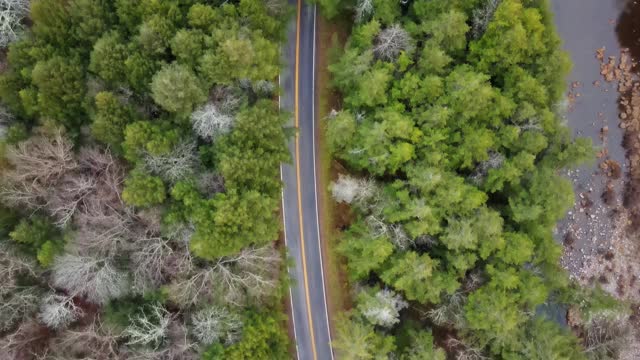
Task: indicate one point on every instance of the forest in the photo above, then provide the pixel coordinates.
(139, 180)
(451, 132)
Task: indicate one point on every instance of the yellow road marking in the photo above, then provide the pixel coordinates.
(297, 125)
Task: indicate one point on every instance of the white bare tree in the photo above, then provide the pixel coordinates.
(464, 351)
(209, 121)
(250, 275)
(174, 166)
(59, 311)
(383, 308)
(390, 42)
(149, 263)
(12, 266)
(214, 324)
(364, 10)
(18, 306)
(72, 192)
(349, 189)
(150, 327)
(450, 311)
(399, 237)
(97, 280)
(482, 17)
(12, 13)
(179, 346)
(102, 231)
(264, 88)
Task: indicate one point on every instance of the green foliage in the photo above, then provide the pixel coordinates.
(110, 119)
(39, 237)
(177, 89)
(61, 88)
(108, 58)
(132, 72)
(263, 338)
(143, 190)
(461, 135)
(422, 347)
(356, 340)
(364, 253)
(228, 222)
(250, 160)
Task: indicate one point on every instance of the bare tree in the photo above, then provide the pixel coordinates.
(71, 193)
(59, 311)
(11, 267)
(95, 279)
(149, 328)
(149, 262)
(482, 17)
(450, 311)
(391, 41)
(41, 159)
(465, 351)
(383, 308)
(214, 324)
(27, 342)
(350, 190)
(209, 122)
(249, 275)
(264, 88)
(210, 183)
(12, 13)
(103, 231)
(606, 338)
(93, 341)
(179, 346)
(399, 237)
(364, 10)
(18, 306)
(228, 99)
(174, 166)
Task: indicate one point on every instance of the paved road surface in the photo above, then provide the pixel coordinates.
(299, 198)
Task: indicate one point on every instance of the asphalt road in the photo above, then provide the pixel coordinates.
(299, 197)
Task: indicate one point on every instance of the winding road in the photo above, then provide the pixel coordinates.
(299, 196)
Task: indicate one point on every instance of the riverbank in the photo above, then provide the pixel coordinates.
(600, 232)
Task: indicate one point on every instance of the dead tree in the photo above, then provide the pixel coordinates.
(149, 328)
(390, 42)
(482, 17)
(93, 341)
(364, 10)
(174, 166)
(12, 13)
(58, 311)
(95, 279)
(209, 121)
(214, 324)
(250, 275)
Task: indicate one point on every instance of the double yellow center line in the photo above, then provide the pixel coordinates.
(300, 219)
